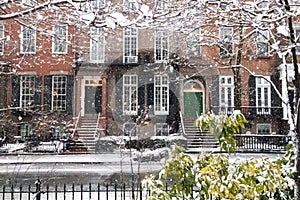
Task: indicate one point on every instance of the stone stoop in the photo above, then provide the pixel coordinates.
(197, 138)
(87, 128)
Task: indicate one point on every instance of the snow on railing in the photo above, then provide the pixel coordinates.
(182, 125)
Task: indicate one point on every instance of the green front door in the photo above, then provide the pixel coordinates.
(89, 101)
(193, 104)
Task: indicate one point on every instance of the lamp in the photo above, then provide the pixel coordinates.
(77, 63)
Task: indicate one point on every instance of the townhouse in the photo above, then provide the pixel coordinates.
(134, 81)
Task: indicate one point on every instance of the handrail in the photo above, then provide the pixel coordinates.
(97, 126)
(76, 123)
(182, 125)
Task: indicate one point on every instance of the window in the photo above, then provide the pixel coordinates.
(161, 4)
(226, 42)
(130, 45)
(28, 40)
(161, 94)
(129, 129)
(59, 93)
(193, 47)
(60, 39)
(27, 91)
(162, 129)
(130, 5)
(226, 94)
(25, 130)
(161, 45)
(263, 95)
(297, 39)
(262, 4)
(262, 43)
(263, 129)
(97, 45)
(96, 4)
(1, 39)
(130, 94)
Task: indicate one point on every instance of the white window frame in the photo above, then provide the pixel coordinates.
(130, 94)
(226, 94)
(164, 127)
(193, 46)
(161, 45)
(262, 126)
(297, 39)
(59, 93)
(132, 131)
(27, 91)
(1, 39)
(263, 95)
(161, 4)
(28, 38)
(130, 5)
(97, 4)
(97, 45)
(161, 95)
(25, 130)
(226, 41)
(58, 39)
(262, 39)
(130, 53)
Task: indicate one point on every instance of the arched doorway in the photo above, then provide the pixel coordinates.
(193, 96)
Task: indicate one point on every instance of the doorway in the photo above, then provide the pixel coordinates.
(92, 99)
(193, 99)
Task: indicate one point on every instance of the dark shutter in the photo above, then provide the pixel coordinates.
(48, 92)
(119, 95)
(141, 98)
(215, 91)
(275, 99)
(15, 91)
(37, 94)
(70, 95)
(252, 95)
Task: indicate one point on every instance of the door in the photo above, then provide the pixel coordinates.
(92, 96)
(193, 104)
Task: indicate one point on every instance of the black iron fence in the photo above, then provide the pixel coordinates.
(74, 192)
(262, 143)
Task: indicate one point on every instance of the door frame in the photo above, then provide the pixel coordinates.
(193, 86)
(83, 80)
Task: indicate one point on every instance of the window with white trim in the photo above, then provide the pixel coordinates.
(1, 39)
(226, 94)
(97, 45)
(226, 43)
(27, 91)
(161, 95)
(162, 129)
(193, 47)
(130, 100)
(130, 5)
(297, 39)
(263, 129)
(262, 43)
(25, 130)
(28, 40)
(130, 129)
(59, 45)
(96, 4)
(59, 93)
(161, 4)
(130, 45)
(263, 95)
(161, 45)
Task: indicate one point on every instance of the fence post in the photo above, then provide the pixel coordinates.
(38, 189)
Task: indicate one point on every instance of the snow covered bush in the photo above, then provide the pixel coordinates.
(215, 176)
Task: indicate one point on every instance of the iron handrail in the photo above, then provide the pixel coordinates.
(182, 124)
(76, 123)
(97, 126)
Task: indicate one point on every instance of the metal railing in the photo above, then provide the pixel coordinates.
(262, 143)
(97, 126)
(76, 123)
(182, 124)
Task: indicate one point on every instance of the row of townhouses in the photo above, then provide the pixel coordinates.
(110, 78)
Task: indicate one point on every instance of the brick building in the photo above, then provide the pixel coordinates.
(123, 73)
